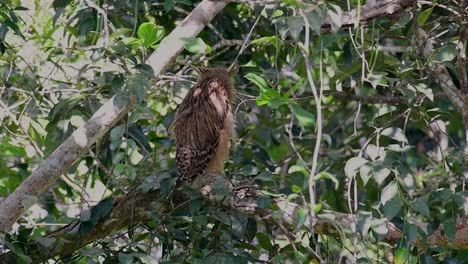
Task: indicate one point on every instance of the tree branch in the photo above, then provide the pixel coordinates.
(369, 11)
(374, 99)
(110, 113)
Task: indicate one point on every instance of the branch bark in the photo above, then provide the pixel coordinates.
(372, 10)
(374, 99)
(110, 113)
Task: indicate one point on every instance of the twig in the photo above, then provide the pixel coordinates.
(431, 3)
(105, 21)
(185, 12)
(246, 40)
(461, 60)
(220, 45)
(317, 97)
(375, 99)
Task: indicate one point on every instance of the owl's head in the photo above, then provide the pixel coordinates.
(218, 73)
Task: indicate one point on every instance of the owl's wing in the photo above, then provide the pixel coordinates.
(197, 127)
(192, 160)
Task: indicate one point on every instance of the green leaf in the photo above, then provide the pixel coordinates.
(446, 53)
(135, 157)
(411, 232)
(101, 209)
(274, 40)
(249, 170)
(150, 33)
(125, 258)
(251, 229)
(401, 255)
(379, 226)
(60, 3)
(314, 19)
(250, 64)
(304, 118)
(92, 252)
(295, 24)
(365, 173)
(395, 133)
(21, 8)
(195, 205)
(117, 132)
(46, 242)
(168, 5)
(263, 201)
(196, 45)
(375, 152)
(38, 127)
(380, 173)
(18, 251)
(450, 229)
(301, 216)
(296, 189)
(300, 257)
(364, 221)
(318, 208)
(326, 175)
(116, 158)
(392, 207)
(389, 192)
(353, 164)
(272, 98)
(223, 258)
(259, 81)
(422, 88)
(264, 241)
(334, 15)
(423, 16)
(420, 206)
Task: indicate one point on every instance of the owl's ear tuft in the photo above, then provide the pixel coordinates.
(232, 70)
(200, 69)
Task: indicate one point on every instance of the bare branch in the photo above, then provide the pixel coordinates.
(369, 11)
(445, 81)
(461, 60)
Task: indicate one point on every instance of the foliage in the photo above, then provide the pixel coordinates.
(407, 161)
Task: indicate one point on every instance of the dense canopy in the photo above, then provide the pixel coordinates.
(351, 121)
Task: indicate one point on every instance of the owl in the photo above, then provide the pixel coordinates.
(204, 124)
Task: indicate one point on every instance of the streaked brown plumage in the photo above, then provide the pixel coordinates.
(204, 124)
